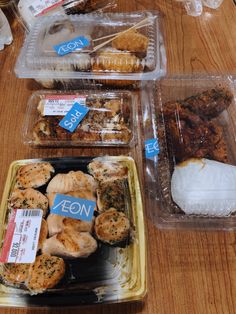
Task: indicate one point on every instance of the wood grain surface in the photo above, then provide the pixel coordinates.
(188, 271)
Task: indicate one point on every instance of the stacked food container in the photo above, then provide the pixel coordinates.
(105, 88)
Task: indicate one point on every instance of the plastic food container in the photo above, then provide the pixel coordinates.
(191, 184)
(28, 11)
(111, 120)
(123, 47)
(112, 273)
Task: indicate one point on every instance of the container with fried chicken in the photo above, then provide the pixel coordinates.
(110, 121)
(117, 49)
(76, 260)
(196, 167)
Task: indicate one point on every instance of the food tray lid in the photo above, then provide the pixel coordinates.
(96, 38)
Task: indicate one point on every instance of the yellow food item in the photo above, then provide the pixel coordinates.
(131, 41)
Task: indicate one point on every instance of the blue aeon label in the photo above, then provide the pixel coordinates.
(73, 207)
(71, 45)
(151, 148)
(74, 117)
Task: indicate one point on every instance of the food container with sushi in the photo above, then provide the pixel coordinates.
(110, 121)
(27, 11)
(112, 48)
(75, 261)
(192, 182)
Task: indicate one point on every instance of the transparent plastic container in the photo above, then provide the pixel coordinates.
(27, 11)
(5, 31)
(123, 47)
(111, 120)
(113, 273)
(191, 184)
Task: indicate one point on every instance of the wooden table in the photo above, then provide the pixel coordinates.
(188, 271)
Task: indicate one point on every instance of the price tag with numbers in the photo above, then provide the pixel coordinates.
(22, 236)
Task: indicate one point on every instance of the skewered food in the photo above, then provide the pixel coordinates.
(132, 41)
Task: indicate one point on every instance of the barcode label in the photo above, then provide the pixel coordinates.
(22, 236)
(60, 105)
(31, 213)
(39, 7)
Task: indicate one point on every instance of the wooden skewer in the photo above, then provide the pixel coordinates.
(108, 36)
(108, 41)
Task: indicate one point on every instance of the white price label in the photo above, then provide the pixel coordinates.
(60, 105)
(22, 236)
(40, 7)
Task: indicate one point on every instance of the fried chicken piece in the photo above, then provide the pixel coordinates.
(15, 274)
(107, 170)
(191, 136)
(34, 175)
(112, 226)
(210, 103)
(117, 134)
(28, 198)
(131, 41)
(111, 194)
(117, 61)
(71, 181)
(45, 273)
(48, 128)
(70, 244)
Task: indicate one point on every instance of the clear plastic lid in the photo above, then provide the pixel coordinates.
(28, 11)
(192, 183)
(110, 121)
(125, 46)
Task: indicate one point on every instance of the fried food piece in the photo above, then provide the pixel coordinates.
(107, 170)
(72, 181)
(57, 223)
(45, 273)
(191, 136)
(70, 244)
(84, 136)
(131, 41)
(111, 194)
(48, 129)
(34, 175)
(116, 61)
(210, 103)
(112, 226)
(43, 233)
(15, 274)
(28, 198)
(118, 134)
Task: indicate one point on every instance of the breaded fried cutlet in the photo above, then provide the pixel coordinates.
(132, 41)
